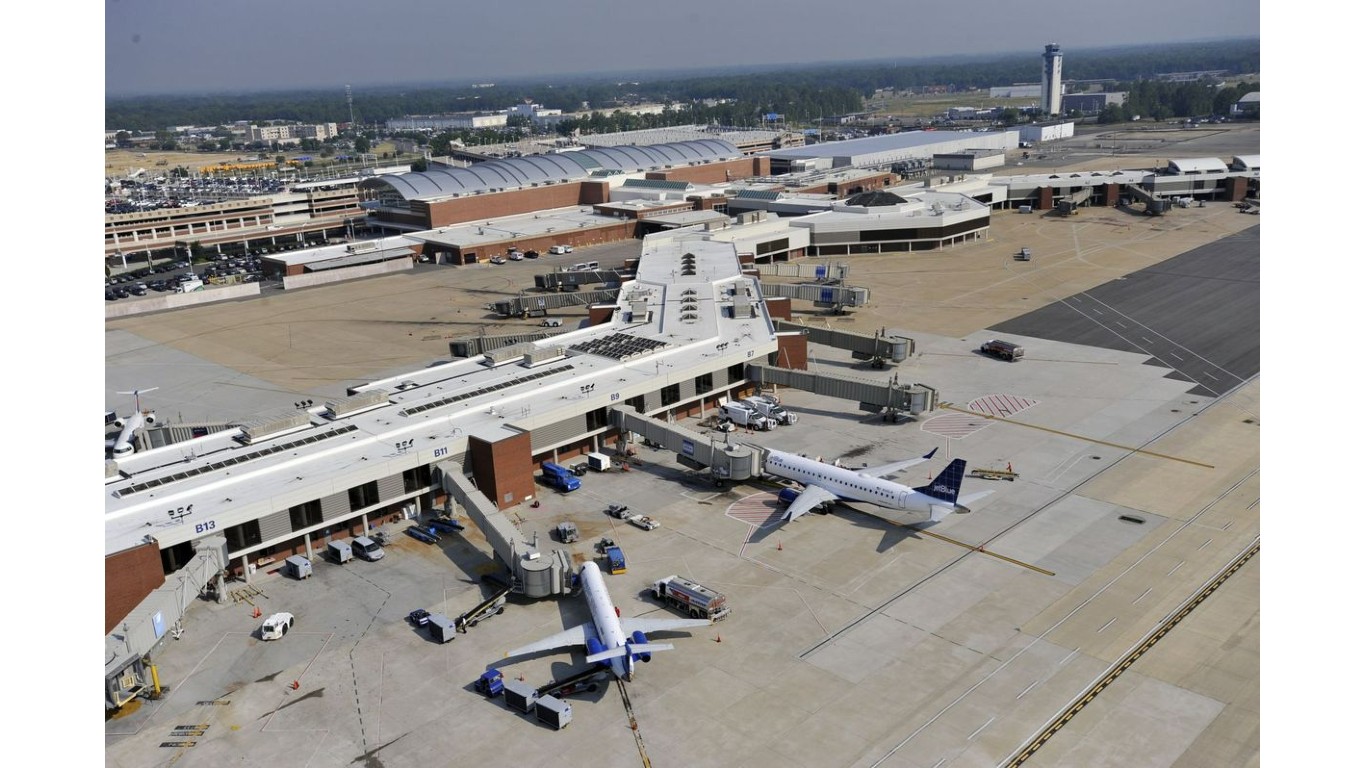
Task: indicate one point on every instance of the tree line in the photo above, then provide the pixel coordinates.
(800, 94)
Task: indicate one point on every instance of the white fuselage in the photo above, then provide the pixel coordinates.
(846, 483)
(605, 619)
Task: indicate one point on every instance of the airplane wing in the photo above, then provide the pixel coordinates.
(622, 650)
(809, 499)
(573, 636)
(896, 466)
(630, 626)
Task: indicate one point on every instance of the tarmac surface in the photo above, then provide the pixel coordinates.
(857, 638)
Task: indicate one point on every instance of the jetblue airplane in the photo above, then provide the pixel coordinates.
(612, 641)
(827, 483)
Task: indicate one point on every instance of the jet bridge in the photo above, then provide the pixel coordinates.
(702, 452)
(530, 572)
(559, 281)
(889, 399)
(811, 271)
(525, 306)
(825, 296)
(878, 348)
(473, 346)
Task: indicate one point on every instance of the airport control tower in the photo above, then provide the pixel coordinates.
(1051, 103)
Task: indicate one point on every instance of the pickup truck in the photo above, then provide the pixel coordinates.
(619, 511)
(643, 522)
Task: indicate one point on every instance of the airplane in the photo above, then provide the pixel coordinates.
(123, 445)
(612, 641)
(828, 483)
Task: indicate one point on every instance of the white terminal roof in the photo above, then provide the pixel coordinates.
(874, 144)
(688, 312)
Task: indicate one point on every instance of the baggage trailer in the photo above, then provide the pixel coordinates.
(554, 712)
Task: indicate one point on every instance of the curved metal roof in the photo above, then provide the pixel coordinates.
(516, 172)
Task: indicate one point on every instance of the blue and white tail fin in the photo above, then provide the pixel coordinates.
(945, 487)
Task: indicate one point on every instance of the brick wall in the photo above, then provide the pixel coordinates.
(130, 576)
(779, 307)
(791, 351)
(503, 469)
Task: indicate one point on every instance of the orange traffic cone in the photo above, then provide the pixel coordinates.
(718, 637)
(294, 685)
(255, 612)
(780, 545)
(1009, 468)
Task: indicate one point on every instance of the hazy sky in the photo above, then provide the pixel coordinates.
(159, 46)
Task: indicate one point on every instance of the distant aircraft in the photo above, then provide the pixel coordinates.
(123, 445)
(827, 483)
(612, 641)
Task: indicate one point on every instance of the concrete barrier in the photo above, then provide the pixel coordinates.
(165, 301)
(309, 279)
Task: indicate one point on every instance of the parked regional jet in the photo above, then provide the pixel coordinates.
(613, 641)
(827, 483)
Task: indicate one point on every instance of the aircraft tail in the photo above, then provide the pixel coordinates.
(945, 487)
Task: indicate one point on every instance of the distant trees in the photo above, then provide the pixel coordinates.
(801, 95)
(362, 144)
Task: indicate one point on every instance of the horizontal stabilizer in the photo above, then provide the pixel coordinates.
(622, 650)
(939, 512)
(963, 501)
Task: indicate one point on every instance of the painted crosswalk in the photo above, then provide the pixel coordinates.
(758, 509)
(1001, 406)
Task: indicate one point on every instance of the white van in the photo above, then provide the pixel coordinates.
(367, 548)
(580, 267)
(591, 266)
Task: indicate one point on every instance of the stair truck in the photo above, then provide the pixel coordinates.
(697, 601)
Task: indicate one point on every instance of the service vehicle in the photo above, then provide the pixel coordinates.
(498, 260)
(419, 617)
(745, 415)
(567, 532)
(276, 626)
(367, 548)
(644, 522)
(558, 249)
(599, 462)
(692, 598)
(1002, 349)
(616, 560)
(515, 255)
(766, 407)
(1024, 255)
(559, 477)
(619, 511)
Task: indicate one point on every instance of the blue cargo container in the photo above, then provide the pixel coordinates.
(616, 560)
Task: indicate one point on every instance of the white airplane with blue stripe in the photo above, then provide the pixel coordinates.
(826, 484)
(610, 640)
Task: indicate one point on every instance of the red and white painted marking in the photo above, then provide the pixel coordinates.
(760, 510)
(955, 425)
(1001, 406)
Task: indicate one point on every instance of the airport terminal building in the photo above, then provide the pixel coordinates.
(677, 341)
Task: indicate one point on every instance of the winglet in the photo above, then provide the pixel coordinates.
(930, 455)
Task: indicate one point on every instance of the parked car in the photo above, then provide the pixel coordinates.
(498, 260)
(515, 255)
(557, 249)
(532, 254)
